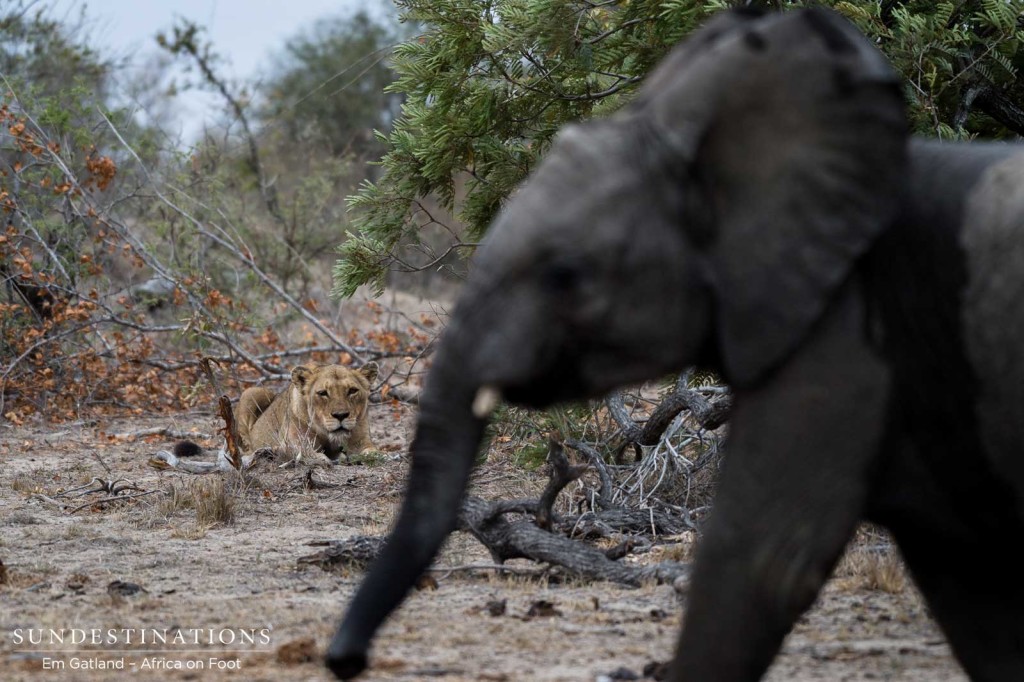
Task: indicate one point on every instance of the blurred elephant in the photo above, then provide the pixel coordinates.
(760, 210)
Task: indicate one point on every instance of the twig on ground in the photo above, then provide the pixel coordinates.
(501, 568)
(115, 498)
(166, 431)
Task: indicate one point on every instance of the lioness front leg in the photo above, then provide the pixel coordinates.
(359, 442)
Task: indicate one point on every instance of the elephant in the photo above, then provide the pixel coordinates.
(761, 209)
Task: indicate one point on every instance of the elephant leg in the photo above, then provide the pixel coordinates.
(792, 490)
(974, 589)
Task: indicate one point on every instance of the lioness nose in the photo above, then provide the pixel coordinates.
(340, 416)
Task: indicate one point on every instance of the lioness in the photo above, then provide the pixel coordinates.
(323, 408)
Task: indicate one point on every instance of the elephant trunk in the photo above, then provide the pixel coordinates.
(448, 434)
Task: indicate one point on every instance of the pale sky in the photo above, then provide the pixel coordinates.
(244, 32)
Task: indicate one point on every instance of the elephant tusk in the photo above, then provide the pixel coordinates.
(485, 401)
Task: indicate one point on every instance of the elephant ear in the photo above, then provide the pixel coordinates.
(791, 136)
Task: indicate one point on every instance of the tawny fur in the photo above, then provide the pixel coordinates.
(324, 408)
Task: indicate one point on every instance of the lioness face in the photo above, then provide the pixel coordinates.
(336, 398)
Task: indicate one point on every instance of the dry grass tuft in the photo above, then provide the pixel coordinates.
(177, 499)
(681, 548)
(22, 518)
(884, 571)
(192, 531)
(31, 483)
(75, 531)
(872, 562)
(211, 498)
(214, 503)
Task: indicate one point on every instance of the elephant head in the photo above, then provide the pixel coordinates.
(709, 222)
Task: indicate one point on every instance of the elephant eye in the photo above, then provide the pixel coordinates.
(561, 277)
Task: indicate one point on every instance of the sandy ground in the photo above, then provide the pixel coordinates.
(244, 576)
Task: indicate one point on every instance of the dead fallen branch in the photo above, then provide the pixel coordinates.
(549, 538)
(676, 450)
(165, 431)
(505, 540)
(536, 532)
(562, 474)
(499, 568)
(48, 500)
(164, 459)
(619, 521)
(522, 539)
(355, 552)
(708, 415)
(98, 485)
(603, 498)
(115, 498)
(115, 490)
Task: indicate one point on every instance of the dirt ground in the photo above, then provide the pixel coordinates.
(202, 579)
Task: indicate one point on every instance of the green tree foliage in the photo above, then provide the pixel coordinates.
(329, 86)
(488, 82)
(959, 59)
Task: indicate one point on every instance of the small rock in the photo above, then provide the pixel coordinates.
(542, 609)
(122, 588)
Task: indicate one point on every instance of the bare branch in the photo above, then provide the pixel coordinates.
(245, 258)
(562, 474)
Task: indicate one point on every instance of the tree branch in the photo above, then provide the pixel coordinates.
(997, 103)
(562, 474)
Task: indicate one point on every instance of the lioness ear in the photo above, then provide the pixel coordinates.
(370, 370)
(793, 129)
(300, 375)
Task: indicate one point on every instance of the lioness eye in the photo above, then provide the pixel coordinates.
(323, 394)
(353, 391)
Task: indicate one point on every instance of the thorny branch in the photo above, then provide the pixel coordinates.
(244, 257)
(40, 283)
(117, 490)
(185, 41)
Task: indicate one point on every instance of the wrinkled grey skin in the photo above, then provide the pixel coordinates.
(758, 210)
